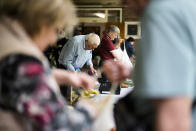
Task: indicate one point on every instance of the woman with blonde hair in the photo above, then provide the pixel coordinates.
(29, 95)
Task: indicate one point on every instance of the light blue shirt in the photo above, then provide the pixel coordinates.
(166, 55)
(74, 54)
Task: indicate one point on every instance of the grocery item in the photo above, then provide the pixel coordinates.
(127, 83)
(89, 93)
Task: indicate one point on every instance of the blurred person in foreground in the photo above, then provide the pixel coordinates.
(29, 95)
(165, 69)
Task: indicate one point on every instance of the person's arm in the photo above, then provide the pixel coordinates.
(92, 69)
(70, 67)
(64, 77)
(116, 71)
(118, 43)
(110, 48)
(90, 64)
(174, 114)
(69, 53)
(115, 52)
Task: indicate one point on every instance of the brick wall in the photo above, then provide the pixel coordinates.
(99, 2)
(128, 15)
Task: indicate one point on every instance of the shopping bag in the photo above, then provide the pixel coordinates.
(122, 56)
(125, 58)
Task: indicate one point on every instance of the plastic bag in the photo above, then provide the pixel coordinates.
(122, 56)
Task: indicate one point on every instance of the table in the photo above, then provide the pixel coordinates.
(105, 122)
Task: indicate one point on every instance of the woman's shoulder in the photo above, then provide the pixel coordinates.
(13, 63)
(15, 59)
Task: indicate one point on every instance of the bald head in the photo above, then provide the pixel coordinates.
(92, 41)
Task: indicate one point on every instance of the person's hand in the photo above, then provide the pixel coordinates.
(116, 71)
(120, 40)
(72, 78)
(93, 71)
(81, 80)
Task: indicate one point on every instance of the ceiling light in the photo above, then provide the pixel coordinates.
(101, 15)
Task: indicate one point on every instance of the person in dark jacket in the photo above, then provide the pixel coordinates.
(129, 45)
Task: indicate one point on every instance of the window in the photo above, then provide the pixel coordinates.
(99, 15)
(114, 16)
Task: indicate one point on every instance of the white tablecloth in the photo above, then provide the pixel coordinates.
(106, 121)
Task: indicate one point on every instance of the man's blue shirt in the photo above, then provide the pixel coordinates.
(74, 54)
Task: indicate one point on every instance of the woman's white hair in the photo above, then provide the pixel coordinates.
(113, 28)
(93, 38)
